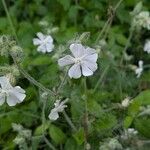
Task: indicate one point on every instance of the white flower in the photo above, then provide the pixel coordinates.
(126, 102)
(59, 107)
(44, 42)
(12, 95)
(139, 70)
(147, 46)
(132, 131)
(142, 20)
(83, 60)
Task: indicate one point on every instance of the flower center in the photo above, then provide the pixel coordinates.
(78, 60)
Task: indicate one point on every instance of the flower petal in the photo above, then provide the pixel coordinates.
(19, 93)
(19, 89)
(91, 58)
(53, 115)
(91, 65)
(75, 71)
(90, 51)
(12, 100)
(36, 41)
(41, 48)
(41, 36)
(49, 39)
(4, 82)
(67, 60)
(85, 70)
(77, 50)
(49, 47)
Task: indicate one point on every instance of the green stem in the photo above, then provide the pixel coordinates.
(30, 78)
(9, 19)
(108, 23)
(43, 127)
(62, 82)
(101, 78)
(85, 116)
(69, 121)
(127, 44)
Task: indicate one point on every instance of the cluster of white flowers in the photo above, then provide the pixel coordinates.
(142, 20)
(12, 95)
(129, 133)
(83, 60)
(44, 42)
(59, 107)
(147, 46)
(139, 69)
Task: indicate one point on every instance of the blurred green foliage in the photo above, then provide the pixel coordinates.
(106, 119)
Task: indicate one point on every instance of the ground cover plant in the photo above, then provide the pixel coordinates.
(75, 74)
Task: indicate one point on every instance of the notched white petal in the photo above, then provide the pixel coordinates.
(67, 60)
(85, 70)
(53, 115)
(75, 71)
(91, 65)
(12, 100)
(91, 57)
(90, 51)
(36, 41)
(4, 82)
(77, 50)
(40, 36)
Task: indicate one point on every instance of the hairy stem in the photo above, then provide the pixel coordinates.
(69, 121)
(108, 23)
(10, 20)
(101, 78)
(85, 116)
(43, 127)
(31, 79)
(127, 44)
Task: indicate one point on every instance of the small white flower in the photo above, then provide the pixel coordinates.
(142, 20)
(147, 46)
(44, 42)
(139, 70)
(129, 133)
(126, 102)
(132, 131)
(12, 95)
(83, 60)
(59, 107)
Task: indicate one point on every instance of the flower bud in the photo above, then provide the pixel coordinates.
(17, 53)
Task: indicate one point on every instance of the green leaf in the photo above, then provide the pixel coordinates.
(94, 108)
(57, 134)
(137, 8)
(40, 129)
(79, 136)
(127, 122)
(105, 123)
(143, 126)
(121, 39)
(72, 145)
(142, 99)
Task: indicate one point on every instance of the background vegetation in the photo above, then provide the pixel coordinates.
(114, 80)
